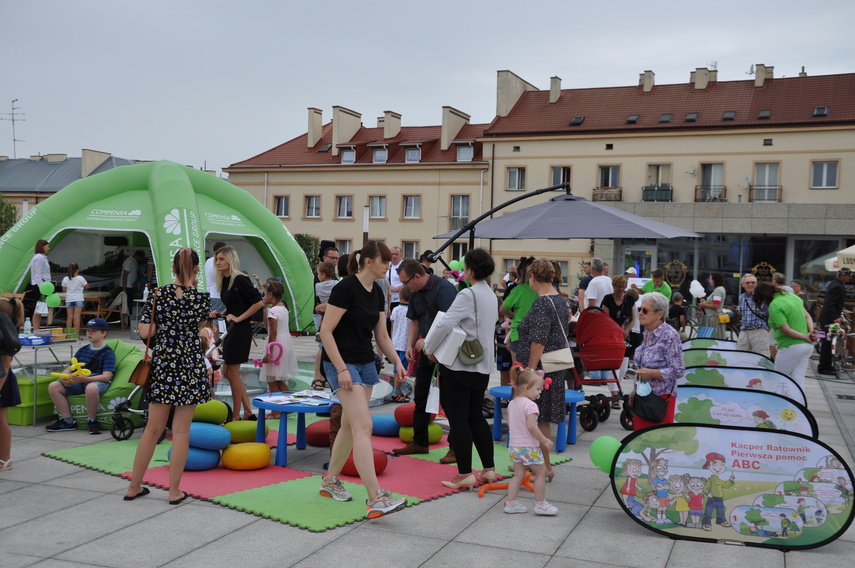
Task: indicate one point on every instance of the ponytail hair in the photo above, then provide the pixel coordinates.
(521, 376)
(72, 268)
(372, 249)
(186, 259)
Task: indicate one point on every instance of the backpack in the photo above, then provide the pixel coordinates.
(9, 342)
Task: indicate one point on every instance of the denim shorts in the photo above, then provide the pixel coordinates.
(74, 304)
(361, 374)
(80, 388)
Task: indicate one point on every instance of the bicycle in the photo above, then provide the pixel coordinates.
(838, 334)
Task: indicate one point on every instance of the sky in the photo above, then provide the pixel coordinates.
(208, 83)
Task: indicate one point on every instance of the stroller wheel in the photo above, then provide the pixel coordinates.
(626, 418)
(122, 427)
(588, 418)
(603, 407)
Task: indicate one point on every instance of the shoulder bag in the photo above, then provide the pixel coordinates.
(651, 407)
(560, 359)
(472, 352)
(10, 344)
(141, 374)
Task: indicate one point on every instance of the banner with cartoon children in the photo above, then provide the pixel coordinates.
(758, 486)
(709, 343)
(750, 378)
(725, 358)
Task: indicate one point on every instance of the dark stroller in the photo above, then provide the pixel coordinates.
(601, 346)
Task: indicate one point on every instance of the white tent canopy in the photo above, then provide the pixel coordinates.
(844, 258)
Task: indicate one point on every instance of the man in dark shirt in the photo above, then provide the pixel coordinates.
(832, 308)
(429, 294)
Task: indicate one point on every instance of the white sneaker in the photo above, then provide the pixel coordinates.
(545, 509)
(383, 504)
(517, 507)
(333, 487)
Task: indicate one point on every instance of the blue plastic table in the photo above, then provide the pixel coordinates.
(564, 435)
(282, 444)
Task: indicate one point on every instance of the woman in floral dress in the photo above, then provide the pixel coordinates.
(179, 379)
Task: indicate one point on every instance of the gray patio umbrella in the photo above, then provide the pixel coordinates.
(573, 217)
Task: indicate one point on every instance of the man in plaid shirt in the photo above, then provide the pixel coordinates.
(754, 330)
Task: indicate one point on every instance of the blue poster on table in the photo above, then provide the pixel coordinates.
(746, 408)
(750, 378)
(725, 358)
(712, 483)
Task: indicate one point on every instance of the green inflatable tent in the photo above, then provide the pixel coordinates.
(162, 206)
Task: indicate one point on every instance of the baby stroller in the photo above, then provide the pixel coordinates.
(123, 425)
(601, 346)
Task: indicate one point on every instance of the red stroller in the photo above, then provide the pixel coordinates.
(601, 345)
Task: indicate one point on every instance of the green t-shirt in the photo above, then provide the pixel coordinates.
(665, 290)
(519, 302)
(787, 309)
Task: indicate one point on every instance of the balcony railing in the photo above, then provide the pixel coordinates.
(457, 223)
(707, 193)
(764, 193)
(661, 192)
(607, 194)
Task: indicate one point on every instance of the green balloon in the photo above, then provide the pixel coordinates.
(603, 451)
(46, 288)
(455, 265)
(53, 301)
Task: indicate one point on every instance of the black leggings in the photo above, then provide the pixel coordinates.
(461, 394)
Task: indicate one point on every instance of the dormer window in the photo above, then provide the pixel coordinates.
(764, 114)
(692, 117)
(413, 155)
(380, 155)
(729, 115)
(348, 155)
(665, 118)
(820, 111)
(325, 148)
(577, 121)
(632, 119)
(464, 152)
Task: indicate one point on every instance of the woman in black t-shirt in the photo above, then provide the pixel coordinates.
(356, 308)
(242, 300)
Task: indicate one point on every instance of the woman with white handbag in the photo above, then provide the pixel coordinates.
(543, 344)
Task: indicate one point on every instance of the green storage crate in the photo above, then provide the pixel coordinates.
(25, 386)
(22, 415)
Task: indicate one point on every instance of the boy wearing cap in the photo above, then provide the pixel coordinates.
(100, 360)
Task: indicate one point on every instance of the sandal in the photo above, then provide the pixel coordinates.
(616, 405)
(319, 384)
(6, 465)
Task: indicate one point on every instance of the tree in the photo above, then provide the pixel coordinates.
(696, 410)
(663, 441)
(311, 246)
(8, 215)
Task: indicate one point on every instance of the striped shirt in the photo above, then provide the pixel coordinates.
(752, 316)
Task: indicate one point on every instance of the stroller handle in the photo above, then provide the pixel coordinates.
(220, 339)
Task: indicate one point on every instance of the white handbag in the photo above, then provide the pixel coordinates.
(560, 359)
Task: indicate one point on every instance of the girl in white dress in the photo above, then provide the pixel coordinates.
(280, 361)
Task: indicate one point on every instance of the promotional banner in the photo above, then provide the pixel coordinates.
(173, 206)
(725, 358)
(747, 408)
(702, 343)
(747, 485)
(744, 378)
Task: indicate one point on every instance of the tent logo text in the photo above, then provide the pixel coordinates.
(114, 215)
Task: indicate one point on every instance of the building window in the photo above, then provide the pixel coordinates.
(281, 205)
(459, 211)
(577, 121)
(691, 117)
(410, 249)
(377, 207)
(766, 188)
(516, 179)
(820, 111)
(343, 246)
(348, 155)
(824, 175)
(313, 206)
(665, 118)
(560, 174)
(412, 207)
(464, 153)
(632, 119)
(459, 250)
(380, 155)
(764, 114)
(344, 207)
(564, 271)
(658, 174)
(609, 176)
(729, 115)
(414, 155)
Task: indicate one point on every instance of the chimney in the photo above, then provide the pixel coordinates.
(452, 121)
(391, 124)
(702, 77)
(509, 88)
(90, 161)
(380, 121)
(646, 80)
(554, 89)
(345, 124)
(316, 124)
(803, 74)
(761, 73)
(35, 158)
(54, 158)
(3, 158)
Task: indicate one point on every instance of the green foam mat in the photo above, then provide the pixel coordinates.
(109, 457)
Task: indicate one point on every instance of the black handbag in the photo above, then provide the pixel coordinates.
(651, 407)
(9, 342)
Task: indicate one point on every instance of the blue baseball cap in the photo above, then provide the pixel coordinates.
(97, 323)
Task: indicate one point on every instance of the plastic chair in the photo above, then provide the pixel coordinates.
(117, 306)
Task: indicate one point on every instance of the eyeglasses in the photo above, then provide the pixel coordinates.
(646, 311)
(408, 280)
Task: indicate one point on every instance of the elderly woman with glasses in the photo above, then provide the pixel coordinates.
(659, 358)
